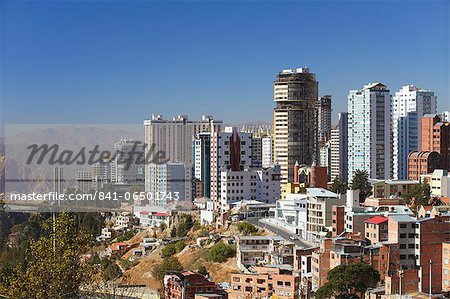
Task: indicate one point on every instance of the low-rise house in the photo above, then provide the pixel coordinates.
(118, 248)
(124, 220)
(391, 188)
(424, 211)
(149, 243)
(186, 285)
(320, 203)
(153, 218)
(439, 182)
(256, 250)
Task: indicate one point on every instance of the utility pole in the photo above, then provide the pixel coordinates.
(400, 274)
(57, 188)
(429, 276)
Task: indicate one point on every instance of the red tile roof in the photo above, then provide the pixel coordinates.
(160, 214)
(376, 220)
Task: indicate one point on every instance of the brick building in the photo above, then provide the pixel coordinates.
(446, 266)
(186, 285)
(431, 233)
(402, 230)
(435, 136)
(337, 220)
(264, 282)
(376, 229)
(422, 162)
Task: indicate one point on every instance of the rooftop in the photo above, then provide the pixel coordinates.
(320, 192)
(377, 220)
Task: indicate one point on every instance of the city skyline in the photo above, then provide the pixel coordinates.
(217, 56)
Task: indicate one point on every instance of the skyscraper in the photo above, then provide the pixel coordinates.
(323, 107)
(174, 138)
(409, 104)
(339, 148)
(295, 135)
(129, 162)
(230, 150)
(267, 151)
(202, 162)
(369, 132)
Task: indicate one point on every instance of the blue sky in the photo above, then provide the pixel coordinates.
(117, 62)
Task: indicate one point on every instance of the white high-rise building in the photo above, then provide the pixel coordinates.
(446, 116)
(166, 182)
(250, 184)
(173, 138)
(369, 132)
(409, 104)
(230, 150)
(267, 151)
(325, 156)
(129, 162)
(339, 149)
(202, 161)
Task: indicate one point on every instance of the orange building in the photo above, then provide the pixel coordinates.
(423, 162)
(431, 233)
(264, 283)
(186, 285)
(446, 266)
(435, 136)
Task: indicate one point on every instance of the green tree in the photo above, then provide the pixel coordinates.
(419, 195)
(339, 186)
(162, 226)
(203, 271)
(54, 268)
(361, 182)
(168, 250)
(167, 265)
(349, 281)
(109, 270)
(220, 252)
(246, 228)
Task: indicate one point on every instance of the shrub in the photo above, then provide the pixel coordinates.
(246, 228)
(167, 265)
(220, 252)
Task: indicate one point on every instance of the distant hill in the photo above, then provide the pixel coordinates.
(67, 138)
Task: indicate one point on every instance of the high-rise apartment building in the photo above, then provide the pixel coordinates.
(295, 135)
(323, 109)
(202, 162)
(173, 139)
(339, 149)
(409, 104)
(166, 182)
(256, 151)
(435, 136)
(230, 150)
(325, 157)
(129, 162)
(267, 151)
(369, 132)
